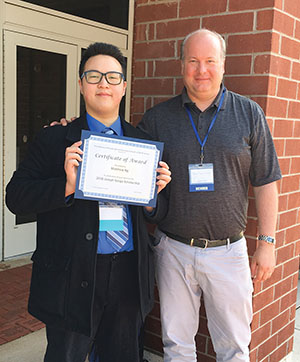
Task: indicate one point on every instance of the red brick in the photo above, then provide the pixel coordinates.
(283, 287)
(138, 105)
(294, 110)
(154, 50)
(153, 342)
(276, 107)
(291, 267)
(285, 253)
(251, 228)
(293, 234)
(192, 8)
(255, 321)
(292, 7)
(284, 164)
(237, 5)
(297, 248)
(153, 86)
(153, 325)
(238, 64)
(260, 335)
(297, 31)
(262, 101)
(267, 347)
(154, 12)
(292, 147)
(294, 201)
(279, 354)
(276, 21)
(139, 69)
(297, 129)
(253, 355)
(271, 64)
(263, 299)
(280, 321)
(295, 166)
(290, 183)
(283, 128)
(251, 85)
(150, 69)
(269, 312)
(176, 28)
(287, 88)
(287, 219)
(179, 85)
(249, 43)
(232, 23)
(265, 19)
(201, 343)
(167, 68)
(290, 48)
(141, 32)
(286, 332)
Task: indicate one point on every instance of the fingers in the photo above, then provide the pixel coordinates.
(74, 153)
(163, 177)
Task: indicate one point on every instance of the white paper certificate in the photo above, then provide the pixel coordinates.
(118, 169)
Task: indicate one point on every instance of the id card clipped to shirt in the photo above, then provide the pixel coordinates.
(201, 177)
(110, 217)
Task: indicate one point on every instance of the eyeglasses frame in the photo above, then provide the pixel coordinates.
(102, 75)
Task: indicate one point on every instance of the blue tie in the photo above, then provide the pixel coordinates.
(118, 238)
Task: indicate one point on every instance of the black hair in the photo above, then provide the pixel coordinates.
(102, 49)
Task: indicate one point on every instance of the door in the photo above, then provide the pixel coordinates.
(40, 85)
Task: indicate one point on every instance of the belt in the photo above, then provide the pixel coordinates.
(205, 243)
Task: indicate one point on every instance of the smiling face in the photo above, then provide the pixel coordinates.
(102, 100)
(202, 66)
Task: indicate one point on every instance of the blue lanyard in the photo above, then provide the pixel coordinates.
(209, 129)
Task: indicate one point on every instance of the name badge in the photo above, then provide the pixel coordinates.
(110, 217)
(201, 177)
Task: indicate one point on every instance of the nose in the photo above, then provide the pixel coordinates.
(103, 82)
(202, 67)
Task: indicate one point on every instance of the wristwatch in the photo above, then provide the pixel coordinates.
(267, 238)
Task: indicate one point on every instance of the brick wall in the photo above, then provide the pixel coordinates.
(263, 39)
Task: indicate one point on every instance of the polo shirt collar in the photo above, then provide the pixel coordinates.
(187, 101)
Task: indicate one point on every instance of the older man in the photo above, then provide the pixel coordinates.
(216, 141)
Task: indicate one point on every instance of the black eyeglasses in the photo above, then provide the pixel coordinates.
(95, 77)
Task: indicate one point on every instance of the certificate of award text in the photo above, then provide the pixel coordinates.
(118, 169)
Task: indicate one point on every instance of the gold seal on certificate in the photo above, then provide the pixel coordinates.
(118, 169)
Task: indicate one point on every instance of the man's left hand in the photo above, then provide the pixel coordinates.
(263, 261)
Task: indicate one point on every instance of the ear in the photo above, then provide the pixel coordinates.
(182, 67)
(124, 88)
(80, 85)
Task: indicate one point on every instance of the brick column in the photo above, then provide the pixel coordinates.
(263, 39)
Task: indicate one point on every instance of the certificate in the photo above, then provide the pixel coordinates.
(118, 169)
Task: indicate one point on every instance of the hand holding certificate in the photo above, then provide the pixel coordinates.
(118, 169)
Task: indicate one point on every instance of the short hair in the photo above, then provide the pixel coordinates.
(102, 49)
(207, 31)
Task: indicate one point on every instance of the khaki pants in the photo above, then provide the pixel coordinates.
(222, 276)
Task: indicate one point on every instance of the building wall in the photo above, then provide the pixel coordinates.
(263, 40)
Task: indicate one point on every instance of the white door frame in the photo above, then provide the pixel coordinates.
(20, 239)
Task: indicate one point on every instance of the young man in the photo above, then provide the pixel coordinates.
(85, 288)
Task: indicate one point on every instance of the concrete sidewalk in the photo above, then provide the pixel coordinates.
(31, 348)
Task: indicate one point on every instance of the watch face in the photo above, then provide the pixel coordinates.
(268, 239)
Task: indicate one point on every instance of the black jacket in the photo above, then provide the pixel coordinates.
(63, 275)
